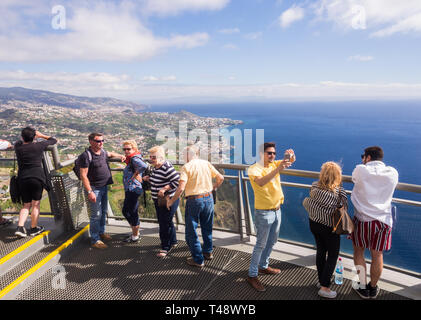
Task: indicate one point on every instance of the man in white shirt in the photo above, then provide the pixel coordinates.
(374, 185)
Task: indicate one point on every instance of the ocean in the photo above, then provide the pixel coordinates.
(338, 131)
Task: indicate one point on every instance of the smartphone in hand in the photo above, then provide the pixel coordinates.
(289, 155)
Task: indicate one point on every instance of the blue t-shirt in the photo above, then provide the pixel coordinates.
(133, 185)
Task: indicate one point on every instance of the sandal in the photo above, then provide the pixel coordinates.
(162, 253)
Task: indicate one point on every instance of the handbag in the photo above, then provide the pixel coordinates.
(162, 201)
(14, 190)
(342, 222)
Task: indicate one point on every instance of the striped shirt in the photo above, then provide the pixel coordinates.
(160, 177)
(322, 204)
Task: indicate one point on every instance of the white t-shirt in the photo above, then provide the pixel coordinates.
(374, 185)
(3, 144)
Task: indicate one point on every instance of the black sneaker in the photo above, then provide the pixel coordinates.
(363, 293)
(21, 232)
(373, 292)
(36, 231)
(130, 239)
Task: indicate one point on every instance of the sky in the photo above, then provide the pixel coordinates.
(193, 51)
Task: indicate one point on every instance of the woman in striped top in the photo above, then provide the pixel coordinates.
(164, 182)
(325, 195)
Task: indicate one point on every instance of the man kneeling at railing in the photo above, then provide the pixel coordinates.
(268, 197)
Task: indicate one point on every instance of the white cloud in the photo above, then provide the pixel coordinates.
(360, 58)
(381, 17)
(230, 46)
(173, 7)
(160, 88)
(253, 35)
(229, 31)
(94, 31)
(164, 78)
(290, 16)
(410, 24)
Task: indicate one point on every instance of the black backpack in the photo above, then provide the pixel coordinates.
(14, 190)
(76, 168)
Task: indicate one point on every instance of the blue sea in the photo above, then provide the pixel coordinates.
(338, 131)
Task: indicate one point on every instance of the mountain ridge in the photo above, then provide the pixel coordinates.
(21, 94)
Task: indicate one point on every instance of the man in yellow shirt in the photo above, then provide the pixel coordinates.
(196, 180)
(268, 197)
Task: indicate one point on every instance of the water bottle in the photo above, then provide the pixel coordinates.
(339, 272)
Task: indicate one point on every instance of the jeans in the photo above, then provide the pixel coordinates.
(98, 213)
(131, 207)
(267, 225)
(199, 210)
(167, 232)
(326, 242)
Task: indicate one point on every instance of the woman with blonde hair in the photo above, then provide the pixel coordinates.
(325, 194)
(132, 182)
(164, 182)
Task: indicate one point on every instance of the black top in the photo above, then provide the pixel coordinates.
(99, 173)
(29, 157)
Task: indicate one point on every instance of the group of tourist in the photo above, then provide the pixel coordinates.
(374, 184)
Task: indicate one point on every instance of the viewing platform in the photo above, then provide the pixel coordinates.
(60, 264)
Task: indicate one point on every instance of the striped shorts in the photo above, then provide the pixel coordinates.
(373, 235)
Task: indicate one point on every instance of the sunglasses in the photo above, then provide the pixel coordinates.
(362, 156)
(127, 149)
(99, 141)
(152, 157)
(271, 153)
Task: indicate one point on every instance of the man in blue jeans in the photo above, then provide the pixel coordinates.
(96, 176)
(196, 180)
(268, 197)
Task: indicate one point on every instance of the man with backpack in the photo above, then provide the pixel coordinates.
(95, 174)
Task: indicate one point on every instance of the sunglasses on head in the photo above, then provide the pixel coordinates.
(271, 153)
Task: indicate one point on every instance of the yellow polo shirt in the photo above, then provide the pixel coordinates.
(269, 196)
(198, 175)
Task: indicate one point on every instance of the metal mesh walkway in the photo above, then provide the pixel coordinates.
(132, 271)
(9, 242)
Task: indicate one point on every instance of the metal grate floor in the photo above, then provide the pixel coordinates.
(9, 242)
(132, 271)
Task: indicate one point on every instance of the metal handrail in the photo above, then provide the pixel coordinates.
(244, 213)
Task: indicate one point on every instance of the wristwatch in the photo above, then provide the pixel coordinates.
(90, 191)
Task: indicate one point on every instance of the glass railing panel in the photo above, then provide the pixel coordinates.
(116, 196)
(406, 237)
(226, 207)
(6, 168)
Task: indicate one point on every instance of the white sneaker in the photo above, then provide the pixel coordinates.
(325, 294)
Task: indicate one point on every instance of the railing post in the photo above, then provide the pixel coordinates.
(241, 215)
(48, 171)
(179, 216)
(249, 217)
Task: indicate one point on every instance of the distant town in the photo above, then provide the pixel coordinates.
(72, 126)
